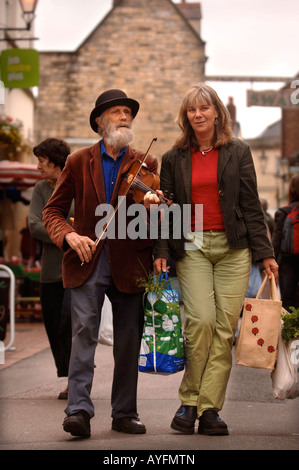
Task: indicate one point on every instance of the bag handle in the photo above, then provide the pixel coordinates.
(165, 276)
(273, 289)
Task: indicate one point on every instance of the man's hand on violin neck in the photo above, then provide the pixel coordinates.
(83, 246)
(151, 198)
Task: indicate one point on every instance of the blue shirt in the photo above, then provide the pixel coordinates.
(110, 169)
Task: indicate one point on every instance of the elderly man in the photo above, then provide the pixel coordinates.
(92, 176)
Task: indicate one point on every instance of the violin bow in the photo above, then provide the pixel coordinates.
(120, 200)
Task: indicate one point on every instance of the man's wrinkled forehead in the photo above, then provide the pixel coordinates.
(118, 109)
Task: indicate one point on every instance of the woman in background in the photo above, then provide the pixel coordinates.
(288, 260)
(55, 300)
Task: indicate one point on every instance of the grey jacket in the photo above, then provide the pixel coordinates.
(51, 263)
(241, 209)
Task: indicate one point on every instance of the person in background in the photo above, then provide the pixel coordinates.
(93, 176)
(29, 247)
(288, 260)
(55, 299)
(268, 217)
(207, 167)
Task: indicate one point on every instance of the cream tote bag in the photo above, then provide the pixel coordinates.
(257, 341)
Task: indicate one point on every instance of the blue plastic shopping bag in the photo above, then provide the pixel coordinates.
(162, 345)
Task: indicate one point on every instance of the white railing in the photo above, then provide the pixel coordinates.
(11, 305)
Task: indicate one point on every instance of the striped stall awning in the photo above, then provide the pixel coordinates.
(19, 175)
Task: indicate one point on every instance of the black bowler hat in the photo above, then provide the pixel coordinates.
(108, 99)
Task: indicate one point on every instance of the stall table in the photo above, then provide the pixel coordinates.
(27, 300)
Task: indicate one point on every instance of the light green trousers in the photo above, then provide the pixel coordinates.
(213, 280)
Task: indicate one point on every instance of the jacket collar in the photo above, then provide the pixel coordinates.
(96, 172)
(186, 168)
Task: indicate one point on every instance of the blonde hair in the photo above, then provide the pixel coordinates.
(199, 94)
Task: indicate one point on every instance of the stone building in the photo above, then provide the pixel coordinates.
(290, 120)
(266, 153)
(149, 49)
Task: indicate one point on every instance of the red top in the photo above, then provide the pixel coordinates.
(205, 190)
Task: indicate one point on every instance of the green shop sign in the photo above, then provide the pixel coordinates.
(287, 97)
(19, 68)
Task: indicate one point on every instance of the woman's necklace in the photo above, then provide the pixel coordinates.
(204, 152)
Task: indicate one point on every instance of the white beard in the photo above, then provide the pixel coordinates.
(118, 135)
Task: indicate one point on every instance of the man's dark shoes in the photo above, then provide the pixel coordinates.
(184, 419)
(211, 424)
(78, 424)
(128, 425)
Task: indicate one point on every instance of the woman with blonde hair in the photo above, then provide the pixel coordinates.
(212, 172)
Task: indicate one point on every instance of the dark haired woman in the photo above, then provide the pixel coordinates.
(55, 300)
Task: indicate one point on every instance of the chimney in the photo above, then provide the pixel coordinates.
(232, 111)
(192, 12)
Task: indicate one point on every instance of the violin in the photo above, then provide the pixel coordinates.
(143, 182)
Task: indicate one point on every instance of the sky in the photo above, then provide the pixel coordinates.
(243, 38)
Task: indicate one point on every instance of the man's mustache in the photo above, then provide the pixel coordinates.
(123, 124)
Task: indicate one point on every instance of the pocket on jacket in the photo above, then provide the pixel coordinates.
(241, 229)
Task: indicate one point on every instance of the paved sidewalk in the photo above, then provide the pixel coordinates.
(31, 415)
(30, 338)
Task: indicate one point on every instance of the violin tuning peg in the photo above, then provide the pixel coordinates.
(171, 196)
(166, 193)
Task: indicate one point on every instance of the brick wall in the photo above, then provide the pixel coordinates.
(145, 48)
(290, 132)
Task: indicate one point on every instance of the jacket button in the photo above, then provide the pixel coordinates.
(221, 192)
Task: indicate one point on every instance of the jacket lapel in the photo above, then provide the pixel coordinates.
(224, 156)
(127, 159)
(186, 168)
(96, 172)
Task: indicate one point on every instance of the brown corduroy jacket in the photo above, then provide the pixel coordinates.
(82, 180)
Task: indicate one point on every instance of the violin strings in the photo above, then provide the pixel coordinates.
(142, 186)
